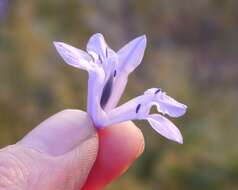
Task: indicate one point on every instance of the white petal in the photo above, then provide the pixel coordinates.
(83, 60)
(110, 63)
(165, 127)
(97, 44)
(139, 107)
(130, 57)
(168, 105)
(131, 54)
(128, 111)
(118, 88)
(95, 87)
(73, 56)
(102, 54)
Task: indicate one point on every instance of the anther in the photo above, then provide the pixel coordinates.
(138, 108)
(157, 91)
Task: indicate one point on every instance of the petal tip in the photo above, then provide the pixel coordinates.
(55, 43)
(58, 44)
(143, 39)
(97, 35)
(184, 109)
(180, 140)
(178, 137)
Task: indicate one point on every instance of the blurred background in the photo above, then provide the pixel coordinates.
(192, 53)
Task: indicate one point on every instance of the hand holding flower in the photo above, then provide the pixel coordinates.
(60, 153)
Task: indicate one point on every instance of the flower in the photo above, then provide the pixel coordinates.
(108, 73)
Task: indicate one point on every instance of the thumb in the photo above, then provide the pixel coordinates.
(74, 167)
(68, 144)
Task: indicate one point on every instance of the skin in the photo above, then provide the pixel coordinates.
(67, 152)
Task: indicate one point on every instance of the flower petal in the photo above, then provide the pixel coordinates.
(165, 127)
(95, 87)
(139, 107)
(118, 88)
(102, 54)
(97, 45)
(167, 105)
(127, 111)
(130, 57)
(131, 54)
(73, 56)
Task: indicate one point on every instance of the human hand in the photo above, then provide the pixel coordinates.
(65, 152)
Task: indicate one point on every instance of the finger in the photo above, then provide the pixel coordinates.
(71, 141)
(73, 167)
(22, 167)
(119, 146)
(60, 133)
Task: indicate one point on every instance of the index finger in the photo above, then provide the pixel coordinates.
(119, 146)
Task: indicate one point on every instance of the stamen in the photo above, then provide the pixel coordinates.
(106, 92)
(138, 108)
(115, 73)
(157, 91)
(100, 59)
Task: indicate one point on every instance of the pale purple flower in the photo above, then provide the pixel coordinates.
(108, 73)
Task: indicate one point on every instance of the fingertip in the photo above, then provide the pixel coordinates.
(119, 146)
(68, 128)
